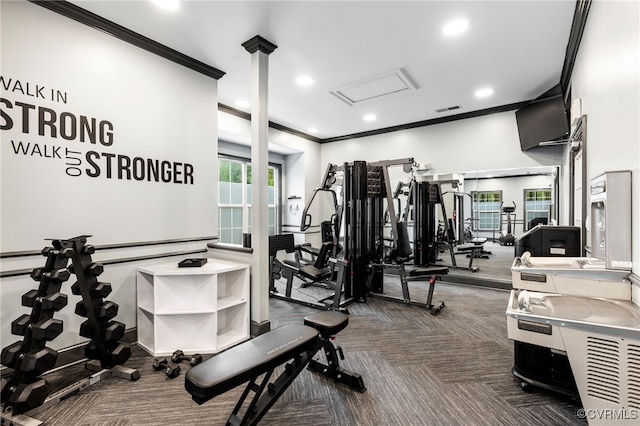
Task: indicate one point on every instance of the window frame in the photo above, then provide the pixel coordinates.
(526, 210)
(245, 205)
(476, 224)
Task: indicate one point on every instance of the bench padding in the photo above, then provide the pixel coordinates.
(248, 360)
(328, 323)
(429, 270)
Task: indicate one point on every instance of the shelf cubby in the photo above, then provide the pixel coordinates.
(198, 309)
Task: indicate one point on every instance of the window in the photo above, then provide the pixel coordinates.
(536, 205)
(486, 210)
(234, 199)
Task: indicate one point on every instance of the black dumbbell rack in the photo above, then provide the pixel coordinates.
(25, 391)
(30, 357)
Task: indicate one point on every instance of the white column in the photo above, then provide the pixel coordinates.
(260, 50)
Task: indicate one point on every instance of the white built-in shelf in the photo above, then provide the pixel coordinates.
(196, 309)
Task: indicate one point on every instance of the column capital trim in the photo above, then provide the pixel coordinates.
(258, 43)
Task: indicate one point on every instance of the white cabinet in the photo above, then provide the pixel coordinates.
(196, 309)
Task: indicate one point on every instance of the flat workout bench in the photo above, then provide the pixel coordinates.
(246, 362)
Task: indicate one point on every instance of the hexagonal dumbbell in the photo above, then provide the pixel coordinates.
(121, 353)
(94, 269)
(101, 290)
(47, 329)
(172, 371)
(75, 289)
(89, 249)
(107, 310)
(114, 330)
(29, 298)
(36, 274)
(118, 353)
(10, 354)
(159, 365)
(26, 396)
(61, 274)
(54, 302)
(179, 356)
(20, 325)
(81, 309)
(67, 252)
(39, 361)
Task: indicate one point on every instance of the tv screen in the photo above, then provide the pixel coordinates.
(542, 120)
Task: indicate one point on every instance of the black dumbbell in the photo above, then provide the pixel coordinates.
(36, 274)
(163, 365)
(94, 269)
(19, 325)
(107, 311)
(29, 298)
(160, 364)
(179, 356)
(113, 330)
(55, 301)
(47, 329)
(172, 371)
(88, 249)
(26, 396)
(39, 361)
(11, 353)
(101, 290)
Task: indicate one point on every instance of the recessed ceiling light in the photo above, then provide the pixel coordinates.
(484, 92)
(455, 27)
(369, 117)
(242, 103)
(304, 80)
(167, 4)
(313, 130)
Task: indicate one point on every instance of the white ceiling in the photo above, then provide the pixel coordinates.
(515, 47)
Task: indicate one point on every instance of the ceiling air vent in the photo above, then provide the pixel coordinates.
(451, 108)
(374, 88)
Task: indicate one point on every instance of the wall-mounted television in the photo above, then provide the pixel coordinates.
(542, 120)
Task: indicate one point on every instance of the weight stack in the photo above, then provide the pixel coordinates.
(30, 358)
(99, 326)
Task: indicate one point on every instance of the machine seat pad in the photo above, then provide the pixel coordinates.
(478, 240)
(307, 248)
(429, 270)
(465, 248)
(314, 273)
(328, 323)
(248, 360)
(291, 263)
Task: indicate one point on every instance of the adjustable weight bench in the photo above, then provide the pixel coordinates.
(294, 344)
